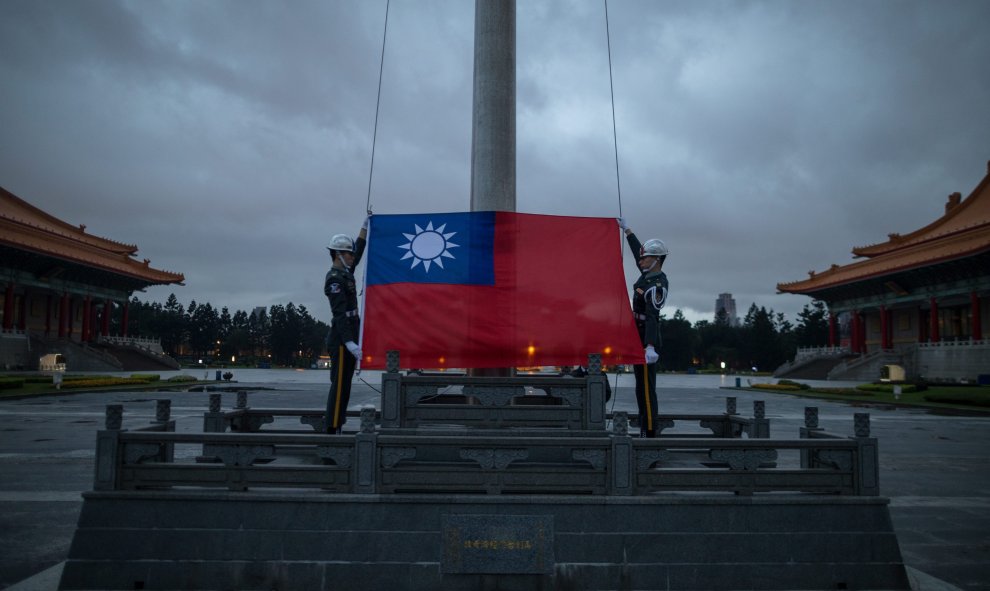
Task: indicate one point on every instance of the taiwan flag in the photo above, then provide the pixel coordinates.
(496, 289)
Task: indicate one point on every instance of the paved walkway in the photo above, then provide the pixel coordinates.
(933, 468)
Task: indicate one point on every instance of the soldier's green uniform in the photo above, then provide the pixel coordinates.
(340, 288)
(648, 297)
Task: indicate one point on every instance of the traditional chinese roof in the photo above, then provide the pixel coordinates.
(34, 234)
(963, 232)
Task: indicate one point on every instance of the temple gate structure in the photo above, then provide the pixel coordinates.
(916, 303)
(64, 290)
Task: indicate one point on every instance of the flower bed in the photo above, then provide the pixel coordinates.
(102, 382)
(780, 387)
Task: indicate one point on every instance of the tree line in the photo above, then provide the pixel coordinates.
(286, 335)
(289, 336)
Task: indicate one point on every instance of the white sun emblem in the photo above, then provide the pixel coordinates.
(429, 246)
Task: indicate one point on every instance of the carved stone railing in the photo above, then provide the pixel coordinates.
(111, 452)
(412, 401)
(804, 353)
(952, 343)
(244, 419)
(487, 462)
(148, 344)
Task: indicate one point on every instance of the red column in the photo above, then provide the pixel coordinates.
(70, 323)
(832, 330)
(123, 320)
(883, 328)
(22, 321)
(48, 314)
(63, 315)
(933, 319)
(854, 332)
(87, 306)
(862, 333)
(8, 308)
(974, 301)
(107, 310)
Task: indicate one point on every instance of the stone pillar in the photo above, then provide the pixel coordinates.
(594, 412)
(391, 391)
(493, 136)
(8, 307)
(365, 470)
(761, 424)
(107, 452)
(933, 321)
(974, 302)
(623, 467)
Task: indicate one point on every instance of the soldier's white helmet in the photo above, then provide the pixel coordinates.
(653, 248)
(341, 242)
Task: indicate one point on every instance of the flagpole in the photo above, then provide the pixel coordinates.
(493, 117)
(364, 292)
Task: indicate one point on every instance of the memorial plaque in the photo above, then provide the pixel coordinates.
(497, 544)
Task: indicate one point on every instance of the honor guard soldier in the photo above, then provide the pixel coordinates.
(345, 326)
(648, 297)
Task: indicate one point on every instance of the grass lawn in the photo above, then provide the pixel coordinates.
(41, 385)
(968, 398)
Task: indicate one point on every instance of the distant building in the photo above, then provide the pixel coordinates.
(920, 300)
(64, 290)
(726, 302)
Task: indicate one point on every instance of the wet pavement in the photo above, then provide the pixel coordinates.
(932, 466)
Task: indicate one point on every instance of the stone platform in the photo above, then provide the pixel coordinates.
(559, 495)
(220, 540)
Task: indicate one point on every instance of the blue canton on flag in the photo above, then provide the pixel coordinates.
(451, 248)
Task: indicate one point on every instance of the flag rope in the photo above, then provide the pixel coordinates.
(374, 135)
(611, 89)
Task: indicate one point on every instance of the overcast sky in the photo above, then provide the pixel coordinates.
(230, 140)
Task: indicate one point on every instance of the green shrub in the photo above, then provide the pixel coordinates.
(181, 378)
(887, 388)
(780, 387)
(11, 383)
(793, 383)
(37, 379)
(842, 391)
(968, 398)
(148, 377)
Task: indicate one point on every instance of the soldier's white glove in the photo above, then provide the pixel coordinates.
(651, 355)
(367, 221)
(622, 223)
(354, 349)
